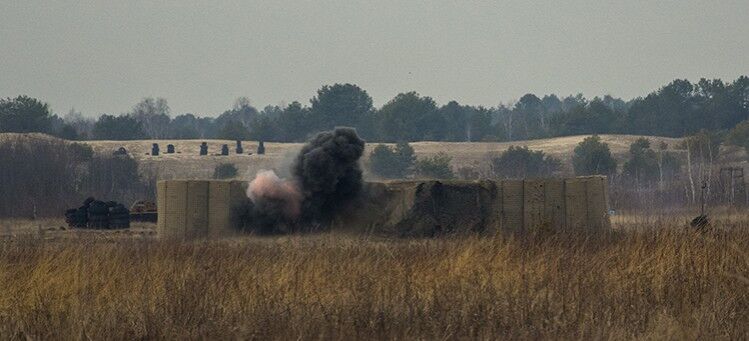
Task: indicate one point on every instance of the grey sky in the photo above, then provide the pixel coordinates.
(104, 56)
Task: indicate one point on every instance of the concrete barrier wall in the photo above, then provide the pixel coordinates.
(193, 208)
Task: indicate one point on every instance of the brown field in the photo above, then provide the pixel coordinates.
(188, 164)
(648, 279)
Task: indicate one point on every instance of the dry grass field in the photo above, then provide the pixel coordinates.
(647, 279)
(188, 164)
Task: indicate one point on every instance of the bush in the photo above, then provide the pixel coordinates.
(705, 145)
(123, 127)
(468, 173)
(36, 174)
(235, 131)
(81, 151)
(225, 171)
(392, 163)
(115, 178)
(739, 136)
(642, 165)
(521, 162)
(669, 163)
(435, 167)
(593, 157)
(68, 132)
(43, 177)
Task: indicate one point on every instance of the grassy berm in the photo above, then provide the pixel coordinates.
(647, 282)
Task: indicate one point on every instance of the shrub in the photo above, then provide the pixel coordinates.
(591, 157)
(43, 177)
(235, 131)
(669, 164)
(225, 171)
(521, 162)
(643, 162)
(123, 127)
(81, 151)
(68, 132)
(705, 145)
(468, 173)
(739, 135)
(36, 174)
(114, 177)
(435, 167)
(392, 163)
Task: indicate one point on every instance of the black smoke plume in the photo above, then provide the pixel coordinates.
(328, 173)
(325, 176)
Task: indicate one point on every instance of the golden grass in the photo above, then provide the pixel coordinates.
(188, 164)
(658, 282)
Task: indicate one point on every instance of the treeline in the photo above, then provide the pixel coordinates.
(41, 177)
(678, 109)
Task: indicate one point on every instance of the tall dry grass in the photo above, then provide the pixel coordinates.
(650, 283)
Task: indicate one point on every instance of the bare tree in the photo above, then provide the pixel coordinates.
(82, 125)
(154, 116)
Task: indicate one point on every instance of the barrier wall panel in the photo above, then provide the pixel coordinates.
(197, 208)
(512, 205)
(494, 210)
(554, 211)
(606, 205)
(219, 218)
(237, 195)
(160, 206)
(175, 215)
(533, 204)
(576, 203)
(596, 202)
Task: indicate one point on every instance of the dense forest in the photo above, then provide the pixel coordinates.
(677, 109)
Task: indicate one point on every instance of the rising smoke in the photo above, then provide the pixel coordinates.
(327, 170)
(325, 176)
(269, 192)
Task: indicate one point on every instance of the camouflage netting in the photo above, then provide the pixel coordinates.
(407, 208)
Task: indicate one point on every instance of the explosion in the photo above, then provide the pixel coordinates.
(269, 188)
(326, 175)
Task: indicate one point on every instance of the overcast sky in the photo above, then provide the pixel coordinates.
(104, 56)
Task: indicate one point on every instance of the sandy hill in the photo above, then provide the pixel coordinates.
(187, 163)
